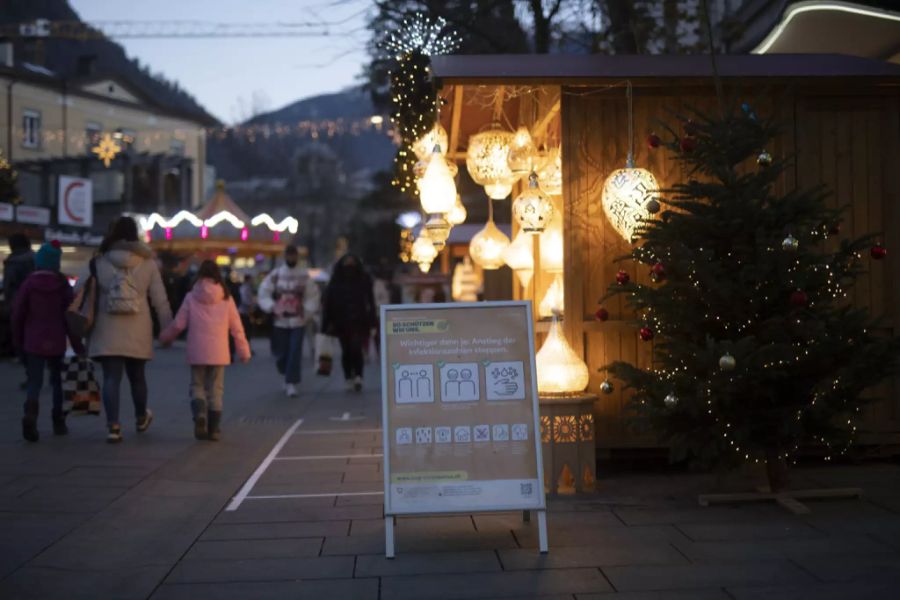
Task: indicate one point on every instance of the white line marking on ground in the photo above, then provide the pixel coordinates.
(336, 431)
(329, 456)
(248, 485)
(332, 495)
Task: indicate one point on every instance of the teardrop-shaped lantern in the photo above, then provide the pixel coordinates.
(559, 369)
(423, 252)
(533, 208)
(487, 246)
(626, 193)
(437, 190)
(554, 299)
(519, 256)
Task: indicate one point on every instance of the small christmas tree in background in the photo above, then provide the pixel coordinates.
(9, 188)
(757, 349)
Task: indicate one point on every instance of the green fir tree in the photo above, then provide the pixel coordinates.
(9, 187)
(757, 349)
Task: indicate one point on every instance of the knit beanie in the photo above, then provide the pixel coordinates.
(48, 256)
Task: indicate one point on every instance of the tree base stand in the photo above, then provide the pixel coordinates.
(789, 499)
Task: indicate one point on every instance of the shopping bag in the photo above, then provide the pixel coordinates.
(81, 313)
(81, 392)
(324, 354)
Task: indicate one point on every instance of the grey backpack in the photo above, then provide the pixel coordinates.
(123, 297)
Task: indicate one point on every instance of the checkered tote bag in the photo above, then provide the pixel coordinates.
(80, 389)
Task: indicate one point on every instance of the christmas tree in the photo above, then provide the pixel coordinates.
(9, 189)
(757, 349)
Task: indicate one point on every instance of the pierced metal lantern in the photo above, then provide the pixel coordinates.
(486, 161)
(423, 252)
(533, 208)
(437, 190)
(487, 246)
(626, 194)
(436, 136)
(438, 230)
(550, 173)
(522, 153)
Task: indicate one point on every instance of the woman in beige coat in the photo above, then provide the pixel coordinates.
(122, 338)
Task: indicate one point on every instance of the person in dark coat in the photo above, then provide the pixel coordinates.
(17, 266)
(39, 329)
(349, 314)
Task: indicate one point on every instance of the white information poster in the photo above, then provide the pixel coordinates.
(460, 408)
(76, 202)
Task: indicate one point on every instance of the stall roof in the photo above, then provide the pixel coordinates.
(567, 68)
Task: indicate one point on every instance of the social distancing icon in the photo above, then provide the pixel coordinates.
(414, 383)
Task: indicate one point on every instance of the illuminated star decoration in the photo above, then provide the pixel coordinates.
(107, 149)
(413, 95)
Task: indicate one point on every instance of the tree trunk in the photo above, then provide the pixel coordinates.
(621, 18)
(776, 471)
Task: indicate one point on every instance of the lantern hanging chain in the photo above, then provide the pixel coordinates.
(490, 210)
(629, 161)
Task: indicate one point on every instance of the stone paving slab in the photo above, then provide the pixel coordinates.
(355, 589)
(262, 569)
(259, 512)
(479, 561)
(250, 549)
(493, 585)
(673, 577)
(782, 528)
(712, 594)
(40, 583)
(263, 531)
(819, 591)
(871, 567)
(600, 555)
(840, 545)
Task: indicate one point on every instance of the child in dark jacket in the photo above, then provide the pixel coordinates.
(39, 328)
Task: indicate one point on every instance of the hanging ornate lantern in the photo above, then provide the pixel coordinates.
(486, 161)
(438, 230)
(423, 146)
(487, 246)
(423, 252)
(554, 300)
(519, 256)
(457, 216)
(437, 191)
(626, 194)
(550, 173)
(533, 208)
(522, 153)
(552, 245)
(559, 369)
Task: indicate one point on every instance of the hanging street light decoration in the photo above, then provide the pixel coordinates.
(457, 215)
(487, 246)
(486, 161)
(533, 208)
(423, 252)
(628, 193)
(107, 149)
(519, 256)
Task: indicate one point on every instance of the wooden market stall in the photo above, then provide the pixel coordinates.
(841, 119)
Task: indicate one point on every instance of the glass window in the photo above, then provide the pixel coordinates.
(176, 147)
(93, 131)
(31, 129)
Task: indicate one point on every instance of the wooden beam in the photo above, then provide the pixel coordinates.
(455, 119)
(540, 128)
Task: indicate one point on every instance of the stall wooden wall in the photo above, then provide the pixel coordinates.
(849, 140)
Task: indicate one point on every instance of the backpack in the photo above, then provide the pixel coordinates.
(123, 297)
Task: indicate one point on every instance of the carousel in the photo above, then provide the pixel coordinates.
(220, 229)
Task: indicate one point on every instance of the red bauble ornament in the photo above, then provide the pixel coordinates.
(799, 298)
(622, 278)
(653, 141)
(878, 252)
(688, 143)
(56, 244)
(659, 270)
(646, 334)
(602, 314)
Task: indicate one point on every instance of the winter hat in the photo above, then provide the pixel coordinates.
(47, 258)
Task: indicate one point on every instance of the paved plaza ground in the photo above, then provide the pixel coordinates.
(149, 518)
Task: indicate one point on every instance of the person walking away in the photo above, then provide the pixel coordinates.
(209, 314)
(39, 325)
(247, 304)
(290, 294)
(16, 268)
(128, 282)
(350, 315)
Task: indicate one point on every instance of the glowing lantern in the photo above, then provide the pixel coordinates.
(423, 146)
(559, 369)
(522, 153)
(457, 216)
(486, 160)
(423, 252)
(554, 300)
(552, 245)
(437, 191)
(625, 196)
(520, 258)
(487, 246)
(550, 173)
(438, 230)
(533, 208)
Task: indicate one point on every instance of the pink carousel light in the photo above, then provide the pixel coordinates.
(204, 232)
(245, 233)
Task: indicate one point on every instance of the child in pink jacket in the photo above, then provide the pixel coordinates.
(209, 314)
